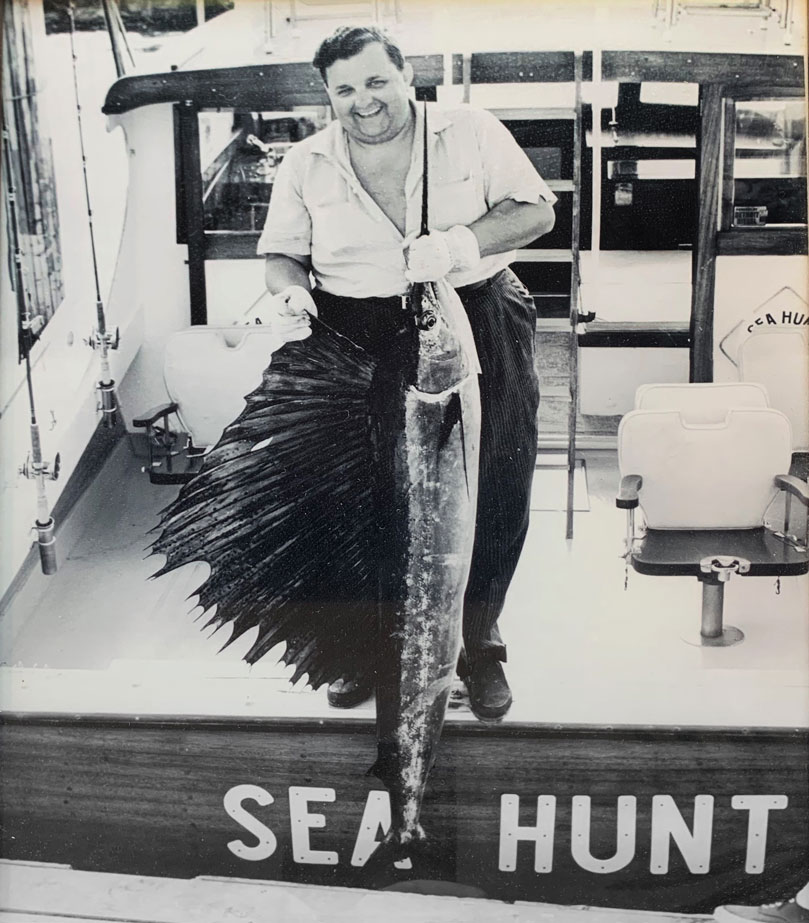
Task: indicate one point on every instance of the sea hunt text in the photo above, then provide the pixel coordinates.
(669, 828)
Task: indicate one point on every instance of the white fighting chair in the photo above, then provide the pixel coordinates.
(207, 373)
(704, 462)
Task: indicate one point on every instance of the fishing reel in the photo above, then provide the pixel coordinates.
(31, 469)
(106, 340)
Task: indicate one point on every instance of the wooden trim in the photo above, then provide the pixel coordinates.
(759, 92)
(151, 801)
(231, 245)
(181, 218)
(259, 86)
(768, 241)
(750, 70)
(522, 67)
(345, 724)
(636, 336)
(728, 158)
(709, 175)
(189, 155)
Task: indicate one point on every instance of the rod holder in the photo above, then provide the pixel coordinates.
(108, 405)
(46, 540)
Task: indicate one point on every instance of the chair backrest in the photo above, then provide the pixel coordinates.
(209, 370)
(778, 358)
(716, 475)
(706, 402)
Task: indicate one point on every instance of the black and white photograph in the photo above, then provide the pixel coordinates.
(404, 461)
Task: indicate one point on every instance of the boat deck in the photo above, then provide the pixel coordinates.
(100, 637)
(34, 893)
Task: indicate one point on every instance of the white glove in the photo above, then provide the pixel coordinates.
(289, 312)
(438, 253)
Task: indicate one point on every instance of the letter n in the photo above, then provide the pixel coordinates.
(668, 824)
(541, 834)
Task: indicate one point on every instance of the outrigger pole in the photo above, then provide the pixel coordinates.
(28, 327)
(100, 339)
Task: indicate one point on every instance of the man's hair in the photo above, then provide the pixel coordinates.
(348, 41)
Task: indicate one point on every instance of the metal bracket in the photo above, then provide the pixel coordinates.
(723, 566)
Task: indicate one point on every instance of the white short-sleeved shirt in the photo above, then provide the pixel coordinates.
(318, 207)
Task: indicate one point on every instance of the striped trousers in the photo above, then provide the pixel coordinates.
(503, 321)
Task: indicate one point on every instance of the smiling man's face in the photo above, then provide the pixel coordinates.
(369, 94)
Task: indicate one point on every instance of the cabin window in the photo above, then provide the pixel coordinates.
(240, 153)
(32, 171)
(769, 163)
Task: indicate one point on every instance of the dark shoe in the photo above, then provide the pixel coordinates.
(489, 695)
(348, 693)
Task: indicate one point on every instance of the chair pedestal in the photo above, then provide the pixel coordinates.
(712, 632)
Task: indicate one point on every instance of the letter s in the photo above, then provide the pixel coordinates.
(267, 842)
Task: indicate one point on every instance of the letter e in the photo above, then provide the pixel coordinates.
(302, 822)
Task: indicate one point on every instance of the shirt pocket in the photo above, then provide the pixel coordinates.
(455, 199)
(342, 227)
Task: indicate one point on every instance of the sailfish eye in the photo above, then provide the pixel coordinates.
(426, 320)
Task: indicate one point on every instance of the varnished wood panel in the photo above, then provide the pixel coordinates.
(709, 176)
(751, 70)
(188, 153)
(522, 67)
(266, 86)
(771, 241)
(146, 797)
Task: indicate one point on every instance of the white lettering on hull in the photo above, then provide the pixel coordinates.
(693, 840)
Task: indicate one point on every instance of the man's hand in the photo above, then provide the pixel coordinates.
(288, 312)
(431, 257)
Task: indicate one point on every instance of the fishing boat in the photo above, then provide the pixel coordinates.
(655, 756)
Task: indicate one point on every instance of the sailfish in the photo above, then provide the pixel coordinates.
(337, 514)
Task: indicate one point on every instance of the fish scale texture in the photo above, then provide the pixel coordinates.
(283, 512)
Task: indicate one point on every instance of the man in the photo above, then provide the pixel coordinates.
(346, 206)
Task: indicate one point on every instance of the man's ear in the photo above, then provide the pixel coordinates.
(407, 73)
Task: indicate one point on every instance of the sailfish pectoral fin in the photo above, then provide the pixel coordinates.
(453, 416)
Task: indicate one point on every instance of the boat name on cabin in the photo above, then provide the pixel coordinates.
(788, 318)
(668, 826)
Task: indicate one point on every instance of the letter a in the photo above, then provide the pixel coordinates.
(375, 816)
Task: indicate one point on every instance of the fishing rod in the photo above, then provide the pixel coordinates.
(28, 330)
(100, 339)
